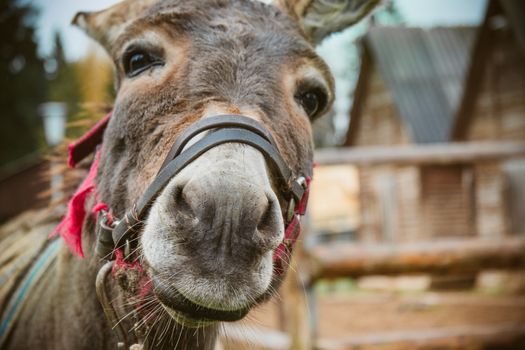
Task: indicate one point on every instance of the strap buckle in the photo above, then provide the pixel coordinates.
(298, 187)
(107, 222)
(105, 225)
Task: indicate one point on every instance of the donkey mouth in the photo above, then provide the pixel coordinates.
(185, 311)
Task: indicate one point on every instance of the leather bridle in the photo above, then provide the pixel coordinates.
(118, 235)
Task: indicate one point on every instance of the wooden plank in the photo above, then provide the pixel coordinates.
(450, 256)
(451, 338)
(492, 212)
(447, 153)
(447, 203)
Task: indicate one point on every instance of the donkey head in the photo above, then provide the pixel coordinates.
(210, 234)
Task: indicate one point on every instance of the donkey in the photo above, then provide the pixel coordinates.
(205, 250)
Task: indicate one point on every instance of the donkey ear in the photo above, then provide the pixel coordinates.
(106, 25)
(320, 18)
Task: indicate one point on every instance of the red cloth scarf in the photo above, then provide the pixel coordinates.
(70, 228)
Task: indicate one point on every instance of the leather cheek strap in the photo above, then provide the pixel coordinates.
(245, 135)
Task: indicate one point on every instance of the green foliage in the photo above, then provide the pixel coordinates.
(23, 84)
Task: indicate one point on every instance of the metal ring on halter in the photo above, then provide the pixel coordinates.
(109, 311)
(104, 222)
(290, 211)
(127, 249)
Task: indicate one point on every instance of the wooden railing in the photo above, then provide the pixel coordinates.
(446, 153)
(345, 259)
(460, 256)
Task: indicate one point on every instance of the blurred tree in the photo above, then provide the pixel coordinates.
(96, 92)
(23, 82)
(96, 76)
(64, 84)
(390, 15)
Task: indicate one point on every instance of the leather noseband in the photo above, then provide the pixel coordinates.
(220, 129)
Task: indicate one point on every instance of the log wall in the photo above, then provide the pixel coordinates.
(499, 108)
(403, 203)
(448, 200)
(391, 201)
(379, 123)
(491, 200)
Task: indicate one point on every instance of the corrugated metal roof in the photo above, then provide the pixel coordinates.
(425, 70)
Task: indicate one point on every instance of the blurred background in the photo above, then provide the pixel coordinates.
(415, 238)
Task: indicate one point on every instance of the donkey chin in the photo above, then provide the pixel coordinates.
(209, 239)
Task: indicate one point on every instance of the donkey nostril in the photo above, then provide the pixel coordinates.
(181, 204)
(266, 220)
(268, 227)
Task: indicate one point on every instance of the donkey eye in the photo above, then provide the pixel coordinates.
(312, 101)
(139, 61)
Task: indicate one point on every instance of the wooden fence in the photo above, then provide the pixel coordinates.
(346, 259)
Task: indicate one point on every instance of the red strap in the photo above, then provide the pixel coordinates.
(87, 144)
(283, 253)
(301, 206)
(70, 228)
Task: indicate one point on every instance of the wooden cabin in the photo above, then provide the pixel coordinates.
(424, 88)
